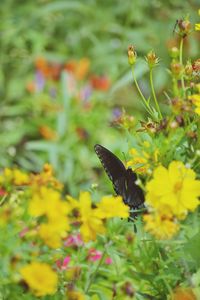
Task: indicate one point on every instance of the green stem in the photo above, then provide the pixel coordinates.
(181, 62)
(145, 102)
(175, 86)
(91, 279)
(153, 92)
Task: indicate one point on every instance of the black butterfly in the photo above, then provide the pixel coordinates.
(123, 179)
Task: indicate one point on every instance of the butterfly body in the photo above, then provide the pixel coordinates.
(123, 179)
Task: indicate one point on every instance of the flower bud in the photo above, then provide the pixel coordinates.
(196, 66)
(176, 69)
(128, 289)
(152, 59)
(174, 52)
(132, 55)
(184, 27)
(188, 69)
(179, 119)
(192, 135)
(173, 124)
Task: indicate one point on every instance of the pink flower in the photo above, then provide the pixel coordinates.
(108, 261)
(23, 232)
(62, 265)
(3, 192)
(73, 240)
(94, 255)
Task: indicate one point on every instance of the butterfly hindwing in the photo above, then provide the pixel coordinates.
(134, 194)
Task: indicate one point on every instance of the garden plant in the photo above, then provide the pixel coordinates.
(64, 232)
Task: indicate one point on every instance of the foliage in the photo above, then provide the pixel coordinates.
(60, 236)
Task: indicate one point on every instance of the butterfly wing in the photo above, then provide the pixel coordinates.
(134, 194)
(123, 179)
(113, 167)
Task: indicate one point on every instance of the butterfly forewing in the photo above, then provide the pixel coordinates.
(112, 165)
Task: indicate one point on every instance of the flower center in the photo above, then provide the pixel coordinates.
(177, 186)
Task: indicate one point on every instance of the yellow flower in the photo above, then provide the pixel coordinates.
(138, 160)
(40, 200)
(7, 172)
(133, 152)
(162, 227)
(56, 209)
(15, 176)
(174, 189)
(20, 177)
(41, 279)
(72, 203)
(196, 101)
(45, 178)
(52, 233)
(91, 223)
(110, 207)
(75, 295)
(46, 201)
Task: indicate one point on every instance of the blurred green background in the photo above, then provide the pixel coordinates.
(65, 78)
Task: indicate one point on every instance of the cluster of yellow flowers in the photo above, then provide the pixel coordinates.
(45, 178)
(43, 280)
(141, 161)
(172, 193)
(14, 176)
(55, 217)
(47, 202)
(91, 219)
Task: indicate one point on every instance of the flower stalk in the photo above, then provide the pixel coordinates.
(145, 102)
(154, 94)
(181, 62)
(93, 275)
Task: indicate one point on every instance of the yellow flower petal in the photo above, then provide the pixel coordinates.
(40, 278)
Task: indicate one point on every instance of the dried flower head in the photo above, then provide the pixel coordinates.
(132, 55)
(152, 59)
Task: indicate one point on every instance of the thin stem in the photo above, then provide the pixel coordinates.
(175, 86)
(95, 272)
(181, 62)
(153, 92)
(146, 104)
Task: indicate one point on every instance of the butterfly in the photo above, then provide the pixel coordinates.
(123, 179)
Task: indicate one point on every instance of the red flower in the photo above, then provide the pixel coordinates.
(101, 83)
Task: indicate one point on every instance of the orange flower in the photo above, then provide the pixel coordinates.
(71, 66)
(55, 70)
(47, 133)
(101, 83)
(78, 68)
(31, 87)
(183, 294)
(82, 68)
(42, 65)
